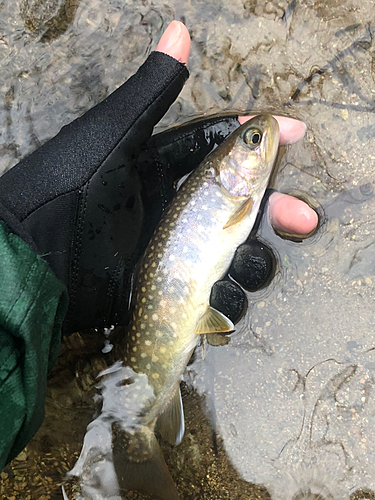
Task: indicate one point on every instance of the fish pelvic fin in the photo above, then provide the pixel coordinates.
(140, 465)
(217, 339)
(213, 321)
(240, 213)
(171, 423)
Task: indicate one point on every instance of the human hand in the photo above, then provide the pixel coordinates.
(89, 199)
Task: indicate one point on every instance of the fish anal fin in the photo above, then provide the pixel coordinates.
(144, 470)
(240, 213)
(213, 321)
(171, 423)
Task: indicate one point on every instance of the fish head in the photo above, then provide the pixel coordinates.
(245, 163)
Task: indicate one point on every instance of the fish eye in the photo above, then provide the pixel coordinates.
(252, 137)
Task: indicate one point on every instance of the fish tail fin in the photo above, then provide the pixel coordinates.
(140, 465)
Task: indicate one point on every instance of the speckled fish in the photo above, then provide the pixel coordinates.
(211, 215)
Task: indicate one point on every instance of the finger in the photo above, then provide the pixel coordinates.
(291, 130)
(182, 148)
(228, 298)
(175, 42)
(291, 215)
(253, 265)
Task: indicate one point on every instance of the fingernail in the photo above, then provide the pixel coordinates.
(175, 42)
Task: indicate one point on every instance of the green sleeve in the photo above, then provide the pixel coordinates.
(33, 303)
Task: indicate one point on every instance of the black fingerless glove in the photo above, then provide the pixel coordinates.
(89, 200)
(78, 200)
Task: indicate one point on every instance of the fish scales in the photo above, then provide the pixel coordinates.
(211, 214)
(184, 258)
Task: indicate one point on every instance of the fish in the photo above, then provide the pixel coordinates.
(212, 213)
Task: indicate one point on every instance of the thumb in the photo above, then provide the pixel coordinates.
(147, 95)
(120, 124)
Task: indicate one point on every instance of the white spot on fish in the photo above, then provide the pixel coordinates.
(154, 316)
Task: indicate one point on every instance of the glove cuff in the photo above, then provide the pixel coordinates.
(16, 227)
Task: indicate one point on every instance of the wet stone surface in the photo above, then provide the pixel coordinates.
(292, 394)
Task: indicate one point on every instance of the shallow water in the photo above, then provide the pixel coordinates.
(292, 395)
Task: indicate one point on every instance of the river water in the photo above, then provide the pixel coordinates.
(291, 398)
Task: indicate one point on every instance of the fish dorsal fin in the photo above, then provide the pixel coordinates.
(171, 423)
(240, 213)
(213, 321)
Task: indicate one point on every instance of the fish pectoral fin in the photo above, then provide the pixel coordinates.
(240, 213)
(216, 339)
(213, 321)
(171, 423)
(140, 465)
